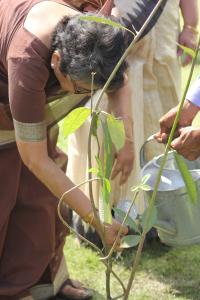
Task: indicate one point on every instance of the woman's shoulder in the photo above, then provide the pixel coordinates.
(43, 18)
(26, 46)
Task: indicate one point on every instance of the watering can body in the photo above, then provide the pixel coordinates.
(178, 219)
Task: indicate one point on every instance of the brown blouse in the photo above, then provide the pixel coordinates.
(26, 80)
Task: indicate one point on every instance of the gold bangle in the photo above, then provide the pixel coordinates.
(89, 217)
(128, 118)
(191, 28)
(129, 139)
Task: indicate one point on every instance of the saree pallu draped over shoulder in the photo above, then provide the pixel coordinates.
(55, 111)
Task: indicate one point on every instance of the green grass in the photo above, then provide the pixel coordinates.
(164, 273)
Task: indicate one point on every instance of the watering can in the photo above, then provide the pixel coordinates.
(178, 219)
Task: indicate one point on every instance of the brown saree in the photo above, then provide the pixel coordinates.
(31, 234)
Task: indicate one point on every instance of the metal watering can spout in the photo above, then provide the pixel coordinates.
(178, 221)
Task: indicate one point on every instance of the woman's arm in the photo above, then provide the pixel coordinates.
(190, 13)
(189, 33)
(35, 157)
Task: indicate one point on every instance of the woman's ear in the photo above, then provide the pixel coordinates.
(55, 60)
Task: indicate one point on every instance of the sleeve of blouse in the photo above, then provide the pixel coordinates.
(27, 79)
(193, 94)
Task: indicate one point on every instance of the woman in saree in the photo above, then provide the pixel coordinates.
(47, 51)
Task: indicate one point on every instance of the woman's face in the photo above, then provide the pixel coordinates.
(66, 82)
(73, 86)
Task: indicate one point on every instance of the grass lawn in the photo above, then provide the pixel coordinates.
(164, 273)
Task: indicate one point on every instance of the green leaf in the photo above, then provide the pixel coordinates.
(75, 119)
(130, 241)
(152, 220)
(93, 170)
(145, 178)
(95, 124)
(104, 203)
(108, 151)
(117, 132)
(105, 21)
(105, 214)
(187, 50)
(187, 177)
(107, 184)
(141, 187)
(135, 188)
(129, 221)
(100, 169)
(145, 187)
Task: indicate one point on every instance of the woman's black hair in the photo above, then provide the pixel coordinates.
(86, 46)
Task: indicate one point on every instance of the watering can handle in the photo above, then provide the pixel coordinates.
(142, 155)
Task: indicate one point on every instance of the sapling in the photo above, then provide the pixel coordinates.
(103, 170)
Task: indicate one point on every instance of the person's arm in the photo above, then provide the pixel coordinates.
(120, 105)
(193, 94)
(187, 137)
(189, 33)
(190, 12)
(27, 103)
(35, 157)
(189, 111)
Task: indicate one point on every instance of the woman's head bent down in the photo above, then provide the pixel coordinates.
(82, 47)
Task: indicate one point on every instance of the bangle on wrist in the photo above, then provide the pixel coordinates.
(128, 118)
(89, 218)
(129, 139)
(191, 28)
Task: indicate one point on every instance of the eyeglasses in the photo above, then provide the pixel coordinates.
(79, 90)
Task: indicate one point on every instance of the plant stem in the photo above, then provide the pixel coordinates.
(62, 219)
(153, 198)
(92, 92)
(100, 228)
(108, 292)
(80, 236)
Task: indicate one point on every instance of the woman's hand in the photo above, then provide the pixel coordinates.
(124, 162)
(107, 231)
(111, 232)
(121, 105)
(188, 38)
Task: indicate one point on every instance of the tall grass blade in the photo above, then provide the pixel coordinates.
(187, 177)
(105, 21)
(187, 50)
